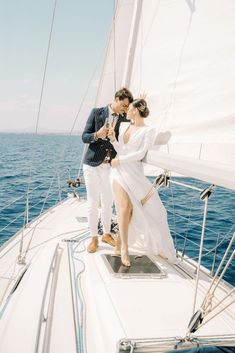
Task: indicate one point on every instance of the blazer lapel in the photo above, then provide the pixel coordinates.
(103, 115)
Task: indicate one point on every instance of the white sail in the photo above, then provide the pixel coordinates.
(184, 60)
(114, 63)
(68, 300)
(183, 57)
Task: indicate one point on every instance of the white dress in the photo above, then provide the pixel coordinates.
(148, 228)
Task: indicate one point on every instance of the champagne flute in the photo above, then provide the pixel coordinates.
(114, 120)
(107, 124)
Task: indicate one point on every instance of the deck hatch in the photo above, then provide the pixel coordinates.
(141, 266)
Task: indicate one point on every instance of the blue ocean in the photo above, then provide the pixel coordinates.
(42, 164)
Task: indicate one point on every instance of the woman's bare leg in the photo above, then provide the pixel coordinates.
(124, 207)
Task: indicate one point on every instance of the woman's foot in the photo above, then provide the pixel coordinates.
(117, 249)
(125, 258)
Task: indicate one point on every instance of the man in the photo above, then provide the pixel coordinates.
(96, 167)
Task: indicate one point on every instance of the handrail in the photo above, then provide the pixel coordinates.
(29, 230)
(52, 191)
(20, 215)
(47, 320)
(31, 205)
(79, 304)
(22, 197)
(193, 222)
(164, 344)
(30, 192)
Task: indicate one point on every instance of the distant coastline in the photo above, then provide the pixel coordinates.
(41, 133)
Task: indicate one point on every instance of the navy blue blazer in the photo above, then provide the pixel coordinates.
(97, 150)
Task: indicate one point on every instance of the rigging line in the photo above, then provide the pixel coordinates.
(200, 252)
(225, 237)
(173, 213)
(11, 203)
(82, 159)
(38, 116)
(45, 68)
(114, 45)
(21, 197)
(86, 92)
(20, 215)
(188, 219)
(210, 310)
(83, 99)
(106, 51)
(223, 272)
(191, 241)
(78, 112)
(215, 314)
(61, 158)
(101, 80)
(216, 280)
(215, 256)
(188, 226)
(23, 213)
(193, 222)
(37, 222)
(37, 120)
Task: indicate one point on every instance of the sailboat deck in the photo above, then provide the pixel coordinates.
(112, 307)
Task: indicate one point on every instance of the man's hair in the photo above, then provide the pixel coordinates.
(124, 93)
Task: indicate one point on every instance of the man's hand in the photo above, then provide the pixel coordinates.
(115, 162)
(102, 132)
(111, 134)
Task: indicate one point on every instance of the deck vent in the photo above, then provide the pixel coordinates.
(82, 219)
(141, 266)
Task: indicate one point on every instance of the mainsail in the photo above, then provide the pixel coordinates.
(182, 54)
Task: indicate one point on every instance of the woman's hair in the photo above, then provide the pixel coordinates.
(141, 105)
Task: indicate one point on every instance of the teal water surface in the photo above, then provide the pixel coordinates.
(46, 162)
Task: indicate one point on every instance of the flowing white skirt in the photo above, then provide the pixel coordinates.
(148, 228)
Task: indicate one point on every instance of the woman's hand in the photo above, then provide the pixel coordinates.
(115, 163)
(111, 134)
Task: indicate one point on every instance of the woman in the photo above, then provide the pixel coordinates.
(140, 226)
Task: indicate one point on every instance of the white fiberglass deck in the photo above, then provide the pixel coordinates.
(115, 308)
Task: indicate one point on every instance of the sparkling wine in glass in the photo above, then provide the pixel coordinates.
(107, 125)
(114, 120)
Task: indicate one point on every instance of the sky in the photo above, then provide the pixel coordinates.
(79, 38)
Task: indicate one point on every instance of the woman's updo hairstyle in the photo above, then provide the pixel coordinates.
(141, 105)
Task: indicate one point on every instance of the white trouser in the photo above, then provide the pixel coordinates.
(99, 192)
